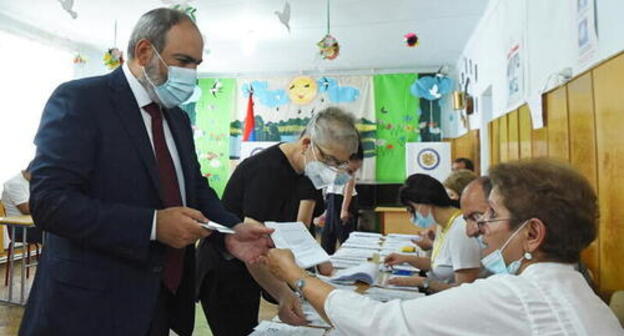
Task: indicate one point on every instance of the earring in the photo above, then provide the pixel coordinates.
(528, 255)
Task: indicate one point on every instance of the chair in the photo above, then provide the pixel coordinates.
(617, 305)
(9, 255)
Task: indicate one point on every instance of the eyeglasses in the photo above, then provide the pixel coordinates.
(331, 160)
(488, 217)
(474, 216)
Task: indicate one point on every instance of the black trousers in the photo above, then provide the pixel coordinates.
(230, 298)
(335, 229)
(161, 322)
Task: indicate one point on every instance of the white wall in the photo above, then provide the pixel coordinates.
(34, 63)
(546, 30)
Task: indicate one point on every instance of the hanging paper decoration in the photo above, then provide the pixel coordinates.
(328, 45)
(79, 59)
(284, 16)
(432, 87)
(411, 39)
(68, 6)
(182, 6)
(113, 58)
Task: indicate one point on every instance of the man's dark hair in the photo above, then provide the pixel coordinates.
(467, 163)
(154, 25)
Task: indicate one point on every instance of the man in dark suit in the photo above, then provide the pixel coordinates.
(118, 189)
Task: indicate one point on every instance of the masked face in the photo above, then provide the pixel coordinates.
(174, 88)
(319, 173)
(495, 263)
(424, 222)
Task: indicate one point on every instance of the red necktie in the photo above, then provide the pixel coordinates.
(174, 258)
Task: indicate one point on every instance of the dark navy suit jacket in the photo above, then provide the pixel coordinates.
(94, 190)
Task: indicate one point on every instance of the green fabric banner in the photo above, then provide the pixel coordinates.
(397, 112)
(211, 125)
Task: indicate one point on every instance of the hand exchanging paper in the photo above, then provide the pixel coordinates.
(281, 263)
(250, 242)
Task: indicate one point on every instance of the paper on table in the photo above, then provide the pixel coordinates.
(366, 272)
(296, 237)
(267, 328)
(384, 295)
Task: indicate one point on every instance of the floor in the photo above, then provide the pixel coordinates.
(11, 315)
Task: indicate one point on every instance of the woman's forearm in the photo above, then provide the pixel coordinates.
(315, 291)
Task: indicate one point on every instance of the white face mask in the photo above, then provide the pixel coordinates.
(495, 263)
(319, 173)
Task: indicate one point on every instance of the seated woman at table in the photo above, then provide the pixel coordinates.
(455, 258)
(541, 216)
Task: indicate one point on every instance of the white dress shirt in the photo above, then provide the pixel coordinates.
(15, 192)
(545, 299)
(458, 252)
(143, 99)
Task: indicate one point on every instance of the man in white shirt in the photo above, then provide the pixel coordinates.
(15, 196)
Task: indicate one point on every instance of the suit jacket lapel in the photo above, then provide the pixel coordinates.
(125, 106)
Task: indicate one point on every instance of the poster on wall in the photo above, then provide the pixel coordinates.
(431, 158)
(515, 75)
(586, 37)
(210, 119)
(397, 112)
(283, 106)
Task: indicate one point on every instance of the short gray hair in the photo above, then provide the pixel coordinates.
(333, 126)
(154, 25)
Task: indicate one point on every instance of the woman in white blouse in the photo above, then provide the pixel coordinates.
(541, 216)
(455, 258)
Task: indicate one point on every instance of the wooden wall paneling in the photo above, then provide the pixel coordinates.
(494, 142)
(524, 131)
(504, 139)
(467, 146)
(514, 139)
(583, 148)
(608, 106)
(539, 142)
(558, 127)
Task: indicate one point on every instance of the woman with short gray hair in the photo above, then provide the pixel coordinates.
(282, 183)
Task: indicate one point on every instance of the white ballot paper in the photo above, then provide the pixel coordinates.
(217, 227)
(267, 328)
(296, 237)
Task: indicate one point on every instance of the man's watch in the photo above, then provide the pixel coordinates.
(425, 284)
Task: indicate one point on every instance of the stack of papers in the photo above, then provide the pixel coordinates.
(268, 328)
(385, 295)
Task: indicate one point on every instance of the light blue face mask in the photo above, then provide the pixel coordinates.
(342, 178)
(422, 221)
(179, 86)
(495, 263)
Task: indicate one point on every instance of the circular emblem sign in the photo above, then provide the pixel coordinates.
(428, 158)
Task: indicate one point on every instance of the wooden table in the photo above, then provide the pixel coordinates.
(13, 222)
(395, 220)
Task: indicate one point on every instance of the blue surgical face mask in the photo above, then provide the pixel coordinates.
(341, 178)
(422, 221)
(482, 244)
(179, 86)
(495, 263)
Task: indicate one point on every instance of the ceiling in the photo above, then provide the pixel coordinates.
(245, 36)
